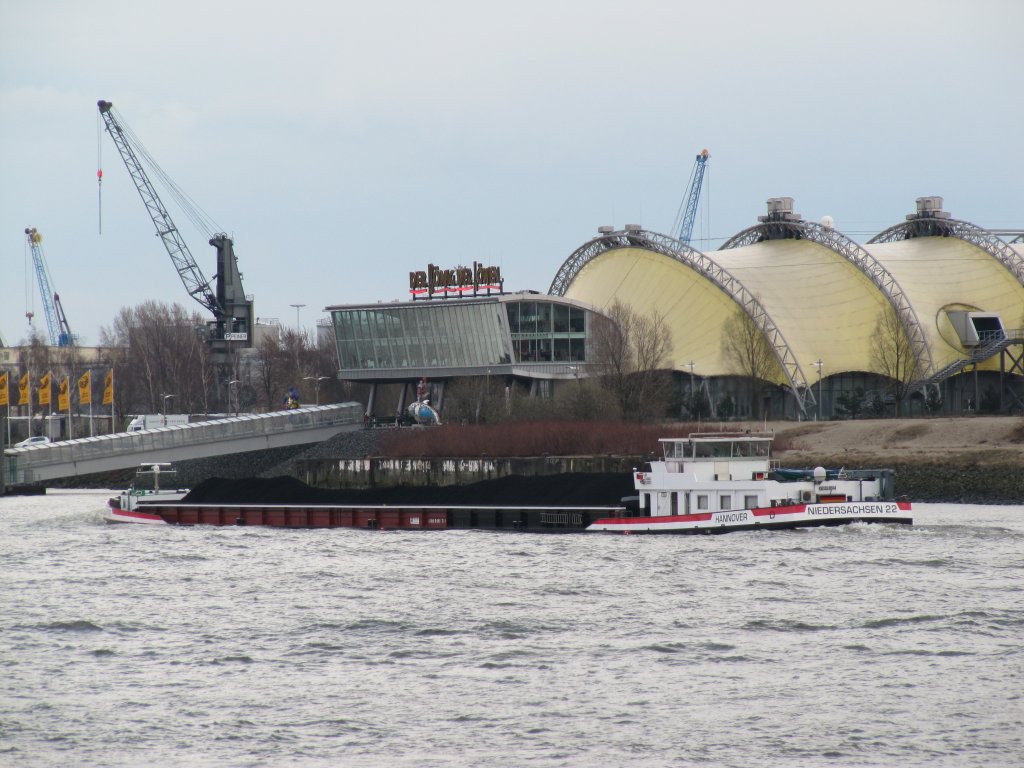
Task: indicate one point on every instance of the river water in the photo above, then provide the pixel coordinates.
(851, 646)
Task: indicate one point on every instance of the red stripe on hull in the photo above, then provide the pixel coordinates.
(698, 518)
(118, 515)
(794, 509)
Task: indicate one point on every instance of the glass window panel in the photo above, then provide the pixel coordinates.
(429, 338)
(393, 350)
(473, 333)
(484, 332)
(338, 318)
(463, 328)
(528, 320)
(499, 338)
(562, 352)
(372, 338)
(543, 317)
(577, 350)
(440, 333)
(409, 335)
(450, 351)
(464, 335)
(577, 320)
(457, 338)
(398, 346)
(382, 340)
(561, 318)
(512, 308)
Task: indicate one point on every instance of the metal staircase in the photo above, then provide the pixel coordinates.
(981, 353)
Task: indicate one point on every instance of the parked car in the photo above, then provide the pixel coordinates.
(36, 440)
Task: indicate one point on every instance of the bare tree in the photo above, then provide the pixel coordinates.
(632, 351)
(289, 359)
(750, 354)
(160, 352)
(273, 362)
(893, 357)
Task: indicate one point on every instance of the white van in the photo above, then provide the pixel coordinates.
(155, 420)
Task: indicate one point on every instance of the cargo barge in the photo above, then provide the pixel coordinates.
(704, 483)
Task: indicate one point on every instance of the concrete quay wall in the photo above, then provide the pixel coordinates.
(378, 472)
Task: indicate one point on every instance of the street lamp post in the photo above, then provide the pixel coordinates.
(166, 398)
(229, 383)
(819, 363)
(316, 380)
(298, 326)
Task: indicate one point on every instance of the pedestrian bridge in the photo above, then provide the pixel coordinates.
(124, 450)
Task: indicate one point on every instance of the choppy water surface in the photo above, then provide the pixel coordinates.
(853, 646)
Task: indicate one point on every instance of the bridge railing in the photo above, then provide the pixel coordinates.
(183, 435)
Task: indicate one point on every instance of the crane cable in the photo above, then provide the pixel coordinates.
(199, 218)
(99, 169)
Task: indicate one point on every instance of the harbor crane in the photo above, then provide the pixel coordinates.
(683, 226)
(232, 310)
(56, 320)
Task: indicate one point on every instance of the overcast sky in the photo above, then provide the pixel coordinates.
(345, 144)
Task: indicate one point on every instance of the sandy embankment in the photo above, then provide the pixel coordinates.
(996, 439)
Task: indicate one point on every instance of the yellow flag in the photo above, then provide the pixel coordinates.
(44, 389)
(23, 391)
(85, 389)
(4, 387)
(108, 388)
(63, 397)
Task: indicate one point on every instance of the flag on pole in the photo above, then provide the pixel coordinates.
(63, 396)
(85, 389)
(23, 391)
(5, 398)
(108, 388)
(44, 389)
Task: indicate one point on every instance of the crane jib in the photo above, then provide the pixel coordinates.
(228, 303)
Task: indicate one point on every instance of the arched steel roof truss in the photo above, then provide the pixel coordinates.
(962, 230)
(710, 269)
(870, 266)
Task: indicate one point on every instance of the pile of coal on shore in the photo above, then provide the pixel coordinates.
(574, 489)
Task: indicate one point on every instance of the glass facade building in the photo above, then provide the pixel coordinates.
(516, 333)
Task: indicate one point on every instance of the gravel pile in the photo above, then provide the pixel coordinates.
(344, 445)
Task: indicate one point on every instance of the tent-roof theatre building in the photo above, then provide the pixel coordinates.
(926, 314)
(949, 294)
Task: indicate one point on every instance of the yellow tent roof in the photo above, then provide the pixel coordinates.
(825, 307)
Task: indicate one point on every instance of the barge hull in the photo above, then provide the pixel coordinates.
(404, 518)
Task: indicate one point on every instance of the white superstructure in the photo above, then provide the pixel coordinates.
(715, 482)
